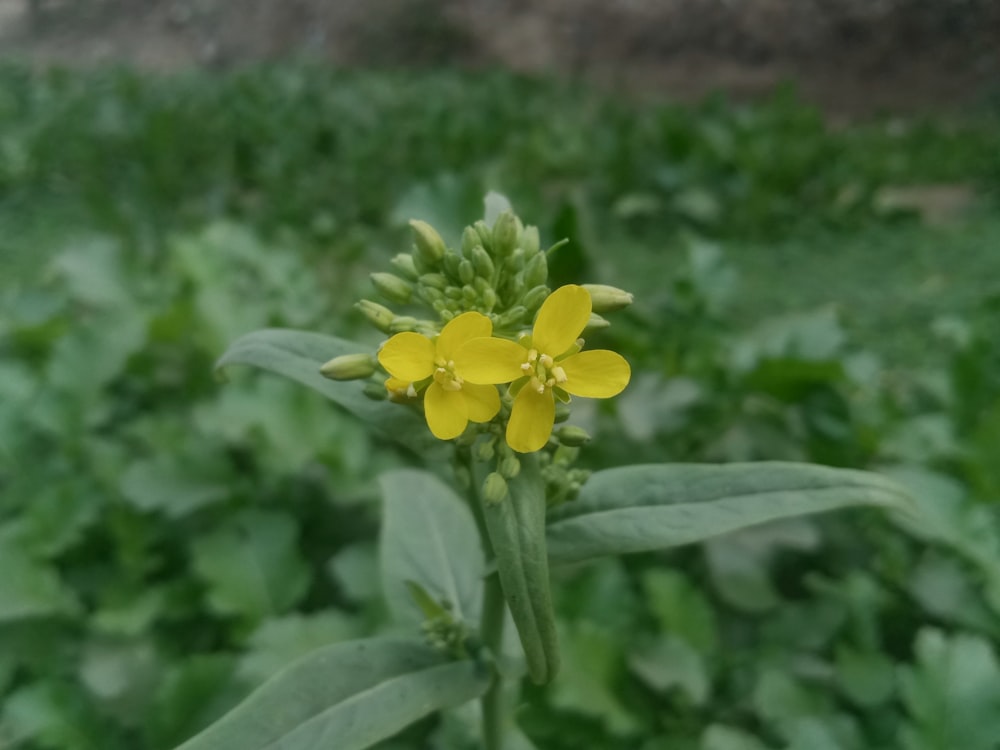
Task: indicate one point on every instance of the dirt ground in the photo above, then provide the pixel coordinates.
(849, 56)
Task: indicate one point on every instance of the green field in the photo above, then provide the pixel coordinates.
(786, 308)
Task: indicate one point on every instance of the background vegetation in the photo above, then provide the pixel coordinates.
(803, 292)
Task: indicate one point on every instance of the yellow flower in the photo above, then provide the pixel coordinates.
(550, 364)
(449, 402)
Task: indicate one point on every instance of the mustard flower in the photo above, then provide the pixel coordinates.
(546, 365)
(449, 402)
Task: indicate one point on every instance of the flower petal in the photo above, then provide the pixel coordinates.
(595, 374)
(483, 401)
(561, 320)
(470, 325)
(408, 356)
(531, 420)
(397, 387)
(446, 412)
(490, 360)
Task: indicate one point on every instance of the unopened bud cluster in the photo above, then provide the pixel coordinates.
(500, 271)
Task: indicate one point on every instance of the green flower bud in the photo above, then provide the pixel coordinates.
(489, 299)
(375, 391)
(392, 287)
(466, 272)
(504, 234)
(403, 323)
(349, 367)
(596, 323)
(513, 317)
(430, 246)
(515, 262)
(562, 412)
(607, 299)
(534, 298)
(450, 263)
(485, 450)
(378, 315)
(481, 284)
(435, 281)
(470, 295)
(536, 270)
(482, 262)
(494, 489)
(453, 293)
(470, 238)
(572, 436)
(530, 240)
(485, 234)
(430, 295)
(510, 466)
(405, 265)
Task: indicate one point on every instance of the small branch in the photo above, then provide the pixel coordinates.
(491, 632)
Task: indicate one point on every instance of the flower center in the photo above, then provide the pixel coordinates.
(543, 371)
(444, 375)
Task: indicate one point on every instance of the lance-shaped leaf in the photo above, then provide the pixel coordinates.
(655, 506)
(429, 537)
(516, 527)
(346, 696)
(298, 355)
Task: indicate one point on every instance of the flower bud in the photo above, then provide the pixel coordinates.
(430, 295)
(434, 280)
(530, 240)
(430, 246)
(392, 287)
(470, 295)
(349, 367)
(470, 238)
(375, 391)
(378, 315)
(536, 270)
(510, 466)
(485, 450)
(489, 299)
(450, 264)
(403, 323)
(607, 299)
(562, 412)
(485, 234)
(534, 298)
(572, 436)
(494, 489)
(504, 234)
(482, 262)
(466, 273)
(596, 323)
(404, 264)
(515, 262)
(513, 317)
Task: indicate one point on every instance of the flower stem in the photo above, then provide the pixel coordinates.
(491, 632)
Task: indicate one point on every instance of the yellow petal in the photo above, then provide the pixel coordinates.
(531, 420)
(561, 320)
(595, 374)
(396, 386)
(483, 401)
(446, 412)
(470, 325)
(490, 360)
(408, 356)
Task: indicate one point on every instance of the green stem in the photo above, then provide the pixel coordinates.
(491, 632)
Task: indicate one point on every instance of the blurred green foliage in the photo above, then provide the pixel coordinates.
(167, 543)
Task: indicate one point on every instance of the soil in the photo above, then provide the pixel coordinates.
(848, 56)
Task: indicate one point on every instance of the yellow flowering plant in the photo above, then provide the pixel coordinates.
(475, 378)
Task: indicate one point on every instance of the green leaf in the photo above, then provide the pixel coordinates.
(29, 588)
(252, 566)
(348, 696)
(429, 537)
(298, 355)
(720, 737)
(952, 694)
(655, 506)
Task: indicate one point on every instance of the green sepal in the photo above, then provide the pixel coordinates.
(516, 527)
